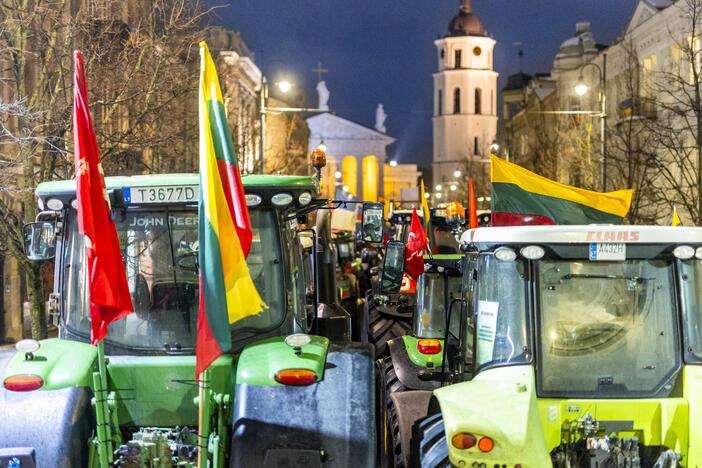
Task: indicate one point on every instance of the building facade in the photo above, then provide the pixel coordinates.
(465, 99)
(651, 116)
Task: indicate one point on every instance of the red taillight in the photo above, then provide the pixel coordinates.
(463, 440)
(485, 444)
(429, 346)
(296, 377)
(23, 383)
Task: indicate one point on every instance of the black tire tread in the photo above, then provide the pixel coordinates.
(431, 446)
(392, 384)
(383, 329)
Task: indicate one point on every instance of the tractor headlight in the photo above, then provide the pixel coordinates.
(305, 198)
(532, 252)
(505, 254)
(54, 204)
(684, 252)
(282, 199)
(253, 200)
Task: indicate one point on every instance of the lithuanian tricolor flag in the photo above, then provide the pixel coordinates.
(227, 292)
(521, 197)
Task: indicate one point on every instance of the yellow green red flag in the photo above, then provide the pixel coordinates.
(227, 292)
(521, 197)
(675, 220)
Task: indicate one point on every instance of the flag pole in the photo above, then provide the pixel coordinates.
(102, 412)
(203, 418)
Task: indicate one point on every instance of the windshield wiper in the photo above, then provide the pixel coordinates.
(638, 279)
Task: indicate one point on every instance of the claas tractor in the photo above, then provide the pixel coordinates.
(577, 346)
(285, 395)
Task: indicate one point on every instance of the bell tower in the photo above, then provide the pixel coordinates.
(465, 93)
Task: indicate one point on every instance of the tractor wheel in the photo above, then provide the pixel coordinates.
(392, 383)
(430, 442)
(392, 425)
(383, 329)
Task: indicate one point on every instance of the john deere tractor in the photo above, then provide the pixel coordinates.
(579, 346)
(285, 396)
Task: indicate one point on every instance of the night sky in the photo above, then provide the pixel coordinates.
(382, 51)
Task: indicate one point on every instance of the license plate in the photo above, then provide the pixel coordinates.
(162, 194)
(607, 251)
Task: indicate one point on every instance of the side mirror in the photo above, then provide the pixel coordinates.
(372, 225)
(39, 240)
(393, 268)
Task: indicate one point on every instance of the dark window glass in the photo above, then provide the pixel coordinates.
(478, 101)
(457, 101)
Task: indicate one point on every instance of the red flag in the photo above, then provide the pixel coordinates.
(108, 290)
(416, 243)
(472, 206)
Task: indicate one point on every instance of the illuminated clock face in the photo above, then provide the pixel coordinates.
(477, 51)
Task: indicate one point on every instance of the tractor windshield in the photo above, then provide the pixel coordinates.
(433, 289)
(606, 328)
(159, 249)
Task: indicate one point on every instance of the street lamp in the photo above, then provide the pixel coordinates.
(581, 89)
(457, 173)
(284, 86)
(438, 187)
(494, 148)
(393, 163)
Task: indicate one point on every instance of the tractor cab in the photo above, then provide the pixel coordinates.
(579, 348)
(280, 365)
(157, 224)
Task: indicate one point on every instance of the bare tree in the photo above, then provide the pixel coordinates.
(142, 65)
(631, 145)
(677, 129)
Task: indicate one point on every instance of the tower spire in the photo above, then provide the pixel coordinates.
(466, 6)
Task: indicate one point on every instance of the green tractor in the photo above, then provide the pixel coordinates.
(578, 346)
(391, 315)
(286, 396)
(415, 359)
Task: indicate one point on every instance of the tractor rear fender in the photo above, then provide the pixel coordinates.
(55, 424)
(60, 364)
(329, 423)
(260, 361)
(406, 368)
(499, 403)
(410, 406)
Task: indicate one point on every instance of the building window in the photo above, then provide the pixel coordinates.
(442, 54)
(478, 101)
(492, 102)
(477, 51)
(439, 103)
(457, 101)
(457, 58)
(476, 147)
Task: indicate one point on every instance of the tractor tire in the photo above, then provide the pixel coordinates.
(383, 329)
(392, 426)
(431, 449)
